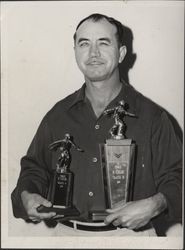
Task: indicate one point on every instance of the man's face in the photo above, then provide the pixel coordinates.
(96, 50)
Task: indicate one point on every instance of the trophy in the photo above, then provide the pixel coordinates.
(117, 160)
(61, 187)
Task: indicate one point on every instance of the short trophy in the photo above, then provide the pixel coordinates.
(117, 160)
(61, 187)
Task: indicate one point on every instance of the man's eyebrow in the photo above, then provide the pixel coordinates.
(107, 39)
(82, 39)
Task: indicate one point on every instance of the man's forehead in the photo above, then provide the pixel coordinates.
(99, 28)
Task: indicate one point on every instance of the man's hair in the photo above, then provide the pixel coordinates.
(98, 17)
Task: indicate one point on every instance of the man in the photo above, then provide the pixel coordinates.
(99, 49)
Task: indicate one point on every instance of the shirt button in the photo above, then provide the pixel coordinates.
(91, 194)
(94, 159)
(97, 126)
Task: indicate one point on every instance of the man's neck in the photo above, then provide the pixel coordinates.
(100, 94)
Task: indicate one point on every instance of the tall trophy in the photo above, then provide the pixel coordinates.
(61, 187)
(117, 160)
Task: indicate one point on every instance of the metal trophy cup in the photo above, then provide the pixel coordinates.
(61, 187)
(117, 159)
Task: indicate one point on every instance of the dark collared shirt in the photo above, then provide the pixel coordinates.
(158, 157)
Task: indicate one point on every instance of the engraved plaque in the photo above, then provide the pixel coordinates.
(62, 190)
(117, 166)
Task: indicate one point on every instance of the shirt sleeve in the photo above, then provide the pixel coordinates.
(167, 166)
(34, 175)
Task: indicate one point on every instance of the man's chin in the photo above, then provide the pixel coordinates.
(96, 78)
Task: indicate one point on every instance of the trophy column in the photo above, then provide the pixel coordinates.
(117, 161)
(61, 186)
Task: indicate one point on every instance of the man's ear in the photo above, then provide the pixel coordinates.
(122, 53)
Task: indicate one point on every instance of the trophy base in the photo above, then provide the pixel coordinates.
(98, 215)
(60, 211)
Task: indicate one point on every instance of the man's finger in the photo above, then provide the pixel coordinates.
(42, 201)
(116, 223)
(112, 210)
(43, 216)
(34, 219)
(39, 215)
(110, 218)
(117, 208)
(46, 203)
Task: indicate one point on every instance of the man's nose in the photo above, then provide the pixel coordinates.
(94, 50)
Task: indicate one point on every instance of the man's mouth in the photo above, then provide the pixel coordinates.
(94, 62)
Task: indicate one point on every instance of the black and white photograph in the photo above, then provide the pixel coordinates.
(92, 124)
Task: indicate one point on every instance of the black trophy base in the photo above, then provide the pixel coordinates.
(97, 215)
(67, 212)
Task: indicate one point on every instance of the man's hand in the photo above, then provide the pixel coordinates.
(31, 202)
(136, 214)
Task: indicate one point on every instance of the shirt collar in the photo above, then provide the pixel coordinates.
(127, 93)
(79, 97)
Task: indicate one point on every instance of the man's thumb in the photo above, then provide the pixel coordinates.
(46, 203)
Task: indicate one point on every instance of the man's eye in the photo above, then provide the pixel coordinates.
(84, 44)
(104, 43)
